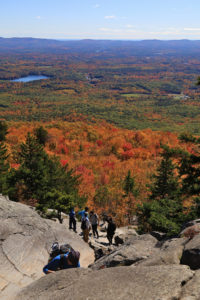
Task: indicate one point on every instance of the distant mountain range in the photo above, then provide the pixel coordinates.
(144, 47)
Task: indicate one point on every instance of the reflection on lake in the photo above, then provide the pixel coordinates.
(30, 78)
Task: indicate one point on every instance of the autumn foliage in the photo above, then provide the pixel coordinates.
(102, 155)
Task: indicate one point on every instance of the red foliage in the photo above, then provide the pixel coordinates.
(109, 164)
(127, 146)
(99, 143)
(64, 162)
(127, 154)
(62, 149)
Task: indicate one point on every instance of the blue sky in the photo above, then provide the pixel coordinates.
(100, 19)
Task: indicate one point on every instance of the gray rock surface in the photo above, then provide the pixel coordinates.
(170, 253)
(123, 234)
(191, 290)
(191, 253)
(135, 249)
(25, 241)
(134, 283)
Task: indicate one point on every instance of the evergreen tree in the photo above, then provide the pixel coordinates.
(4, 168)
(41, 135)
(165, 183)
(43, 179)
(3, 131)
(30, 181)
(131, 192)
(102, 196)
(62, 189)
(190, 166)
(190, 172)
(165, 212)
(165, 215)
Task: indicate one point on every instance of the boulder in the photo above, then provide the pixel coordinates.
(170, 253)
(123, 234)
(191, 253)
(123, 283)
(137, 248)
(191, 290)
(25, 242)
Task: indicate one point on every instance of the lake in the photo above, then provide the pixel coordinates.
(30, 78)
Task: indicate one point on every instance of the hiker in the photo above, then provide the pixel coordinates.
(94, 220)
(110, 230)
(63, 261)
(104, 217)
(85, 226)
(72, 219)
(82, 212)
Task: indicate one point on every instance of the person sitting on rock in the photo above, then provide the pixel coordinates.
(94, 220)
(63, 261)
(110, 230)
(85, 226)
(72, 219)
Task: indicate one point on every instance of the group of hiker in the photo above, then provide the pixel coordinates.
(88, 222)
(65, 257)
(91, 221)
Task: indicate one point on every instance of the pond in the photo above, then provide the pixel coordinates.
(30, 78)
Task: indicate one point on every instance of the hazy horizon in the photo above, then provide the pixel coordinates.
(97, 39)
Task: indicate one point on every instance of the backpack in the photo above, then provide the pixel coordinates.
(83, 224)
(57, 249)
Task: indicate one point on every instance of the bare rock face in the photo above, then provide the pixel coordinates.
(122, 283)
(135, 249)
(25, 241)
(191, 290)
(123, 234)
(170, 253)
(191, 253)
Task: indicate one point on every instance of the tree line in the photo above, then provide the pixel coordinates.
(41, 180)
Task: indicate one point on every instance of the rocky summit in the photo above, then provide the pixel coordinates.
(141, 267)
(25, 242)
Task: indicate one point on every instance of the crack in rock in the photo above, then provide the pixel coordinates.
(15, 267)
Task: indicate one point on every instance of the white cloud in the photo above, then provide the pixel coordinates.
(110, 30)
(96, 6)
(192, 29)
(38, 17)
(110, 17)
(129, 26)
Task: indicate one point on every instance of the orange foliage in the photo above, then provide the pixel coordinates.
(102, 155)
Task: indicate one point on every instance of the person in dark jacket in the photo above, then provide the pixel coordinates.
(63, 261)
(110, 230)
(72, 219)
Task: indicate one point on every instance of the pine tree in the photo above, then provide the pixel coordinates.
(41, 135)
(31, 179)
(189, 171)
(131, 192)
(3, 131)
(165, 212)
(165, 183)
(4, 167)
(43, 179)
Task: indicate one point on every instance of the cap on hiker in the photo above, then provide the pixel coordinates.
(73, 257)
